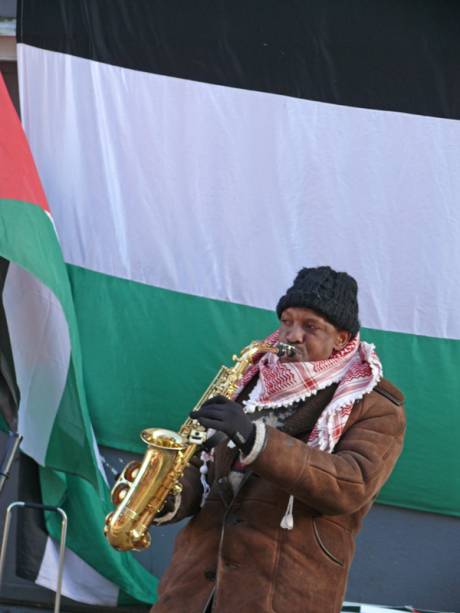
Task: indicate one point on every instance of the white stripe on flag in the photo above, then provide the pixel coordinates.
(226, 193)
(80, 581)
(41, 351)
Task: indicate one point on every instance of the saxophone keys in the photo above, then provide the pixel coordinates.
(177, 489)
(119, 493)
(140, 540)
(197, 437)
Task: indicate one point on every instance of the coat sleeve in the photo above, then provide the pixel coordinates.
(345, 480)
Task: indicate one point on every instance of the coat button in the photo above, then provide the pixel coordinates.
(210, 575)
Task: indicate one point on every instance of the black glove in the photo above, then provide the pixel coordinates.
(227, 416)
(167, 507)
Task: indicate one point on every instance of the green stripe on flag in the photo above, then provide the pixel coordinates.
(38, 250)
(149, 353)
(427, 476)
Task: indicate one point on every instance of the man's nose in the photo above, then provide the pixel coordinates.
(295, 334)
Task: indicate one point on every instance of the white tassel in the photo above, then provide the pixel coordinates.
(287, 523)
(205, 457)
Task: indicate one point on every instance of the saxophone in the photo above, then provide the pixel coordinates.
(142, 488)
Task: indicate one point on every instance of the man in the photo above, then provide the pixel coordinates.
(310, 440)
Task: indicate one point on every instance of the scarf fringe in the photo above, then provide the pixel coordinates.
(205, 457)
(287, 523)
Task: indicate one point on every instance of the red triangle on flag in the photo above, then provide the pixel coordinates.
(18, 176)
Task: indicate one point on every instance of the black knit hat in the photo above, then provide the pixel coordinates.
(332, 294)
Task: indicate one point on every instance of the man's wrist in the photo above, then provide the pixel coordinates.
(258, 445)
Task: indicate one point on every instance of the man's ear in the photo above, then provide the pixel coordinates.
(342, 338)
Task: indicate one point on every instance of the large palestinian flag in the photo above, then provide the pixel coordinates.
(196, 155)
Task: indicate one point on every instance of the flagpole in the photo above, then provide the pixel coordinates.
(4, 544)
(14, 439)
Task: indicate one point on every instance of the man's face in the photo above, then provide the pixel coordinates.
(313, 336)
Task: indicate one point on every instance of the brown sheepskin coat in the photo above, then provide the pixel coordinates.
(234, 552)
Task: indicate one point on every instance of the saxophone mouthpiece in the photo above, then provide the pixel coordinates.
(283, 350)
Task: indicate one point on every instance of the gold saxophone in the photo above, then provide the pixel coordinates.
(142, 488)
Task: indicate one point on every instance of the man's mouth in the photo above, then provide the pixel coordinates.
(297, 357)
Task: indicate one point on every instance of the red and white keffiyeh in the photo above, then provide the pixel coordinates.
(356, 368)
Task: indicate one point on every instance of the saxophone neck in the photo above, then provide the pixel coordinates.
(248, 353)
(227, 381)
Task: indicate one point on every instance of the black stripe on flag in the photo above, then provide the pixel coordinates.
(31, 535)
(9, 391)
(397, 55)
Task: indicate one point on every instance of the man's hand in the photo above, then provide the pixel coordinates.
(227, 416)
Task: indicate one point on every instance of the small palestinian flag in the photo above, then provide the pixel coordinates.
(53, 415)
